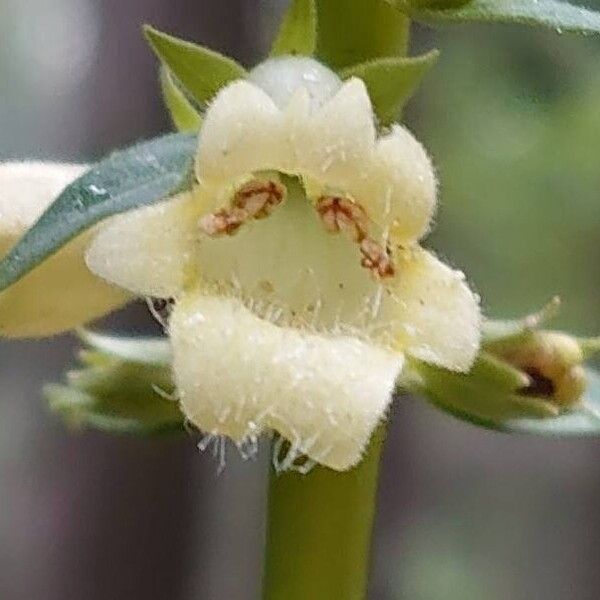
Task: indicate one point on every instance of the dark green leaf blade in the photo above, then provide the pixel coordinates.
(355, 31)
(201, 71)
(391, 81)
(137, 176)
(185, 117)
(552, 14)
(298, 31)
(117, 396)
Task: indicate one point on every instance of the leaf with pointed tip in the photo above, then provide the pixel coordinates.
(356, 31)
(552, 14)
(202, 72)
(391, 81)
(117, 396)
(185, 117)
(298, 31)
(137, 176)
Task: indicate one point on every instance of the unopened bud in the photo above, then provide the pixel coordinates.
(553, 361)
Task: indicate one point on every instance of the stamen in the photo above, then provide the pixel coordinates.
(255, 200)
(341, 214)
(376, 258)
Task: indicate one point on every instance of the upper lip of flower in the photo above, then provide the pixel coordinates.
(334, 149)
(288, 270)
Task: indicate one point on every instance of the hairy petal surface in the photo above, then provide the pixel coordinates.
(238, 375)
(335, 146)
(61, 293)
(403, 187)
(150, 250)
(431, 313)
(241, 133)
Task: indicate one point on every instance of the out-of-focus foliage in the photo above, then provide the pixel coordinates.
(515, 135)
(512, 119)
(554, 14)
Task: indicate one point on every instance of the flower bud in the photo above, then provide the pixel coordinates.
(553, 362)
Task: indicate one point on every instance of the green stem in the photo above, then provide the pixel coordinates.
(319, 531)
(355, 31)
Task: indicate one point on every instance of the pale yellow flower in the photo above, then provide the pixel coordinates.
(61, 293)
(298, 283)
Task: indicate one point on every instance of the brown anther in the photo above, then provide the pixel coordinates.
(259, 198)
(223, 222)
(376, 258)
(341, 214)
(254, 200)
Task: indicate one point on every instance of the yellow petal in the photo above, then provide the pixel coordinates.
(148, 251)
(335, 147)
(238, 375)
(431, 313)
(242, 133)
(402, 194)
(61, 293)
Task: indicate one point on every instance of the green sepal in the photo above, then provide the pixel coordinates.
(137, 176)
(490, 396)
(391, 81)
(356, 31)
(551, 14)
(499, 330)
(298, 31)
(590, 347)
(202, 72)
(117, 396)
(183, 114)
(487, 395)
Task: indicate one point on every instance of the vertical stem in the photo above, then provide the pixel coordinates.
(319, 531)
(354, 31)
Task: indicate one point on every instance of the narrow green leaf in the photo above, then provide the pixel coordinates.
(185, 117)
(551, 14)
(117, 396)
(298, 31)
(201, 71)
(140, 175)
(391, 81)
(356, 31)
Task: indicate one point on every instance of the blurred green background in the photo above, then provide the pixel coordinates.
(512, 119)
